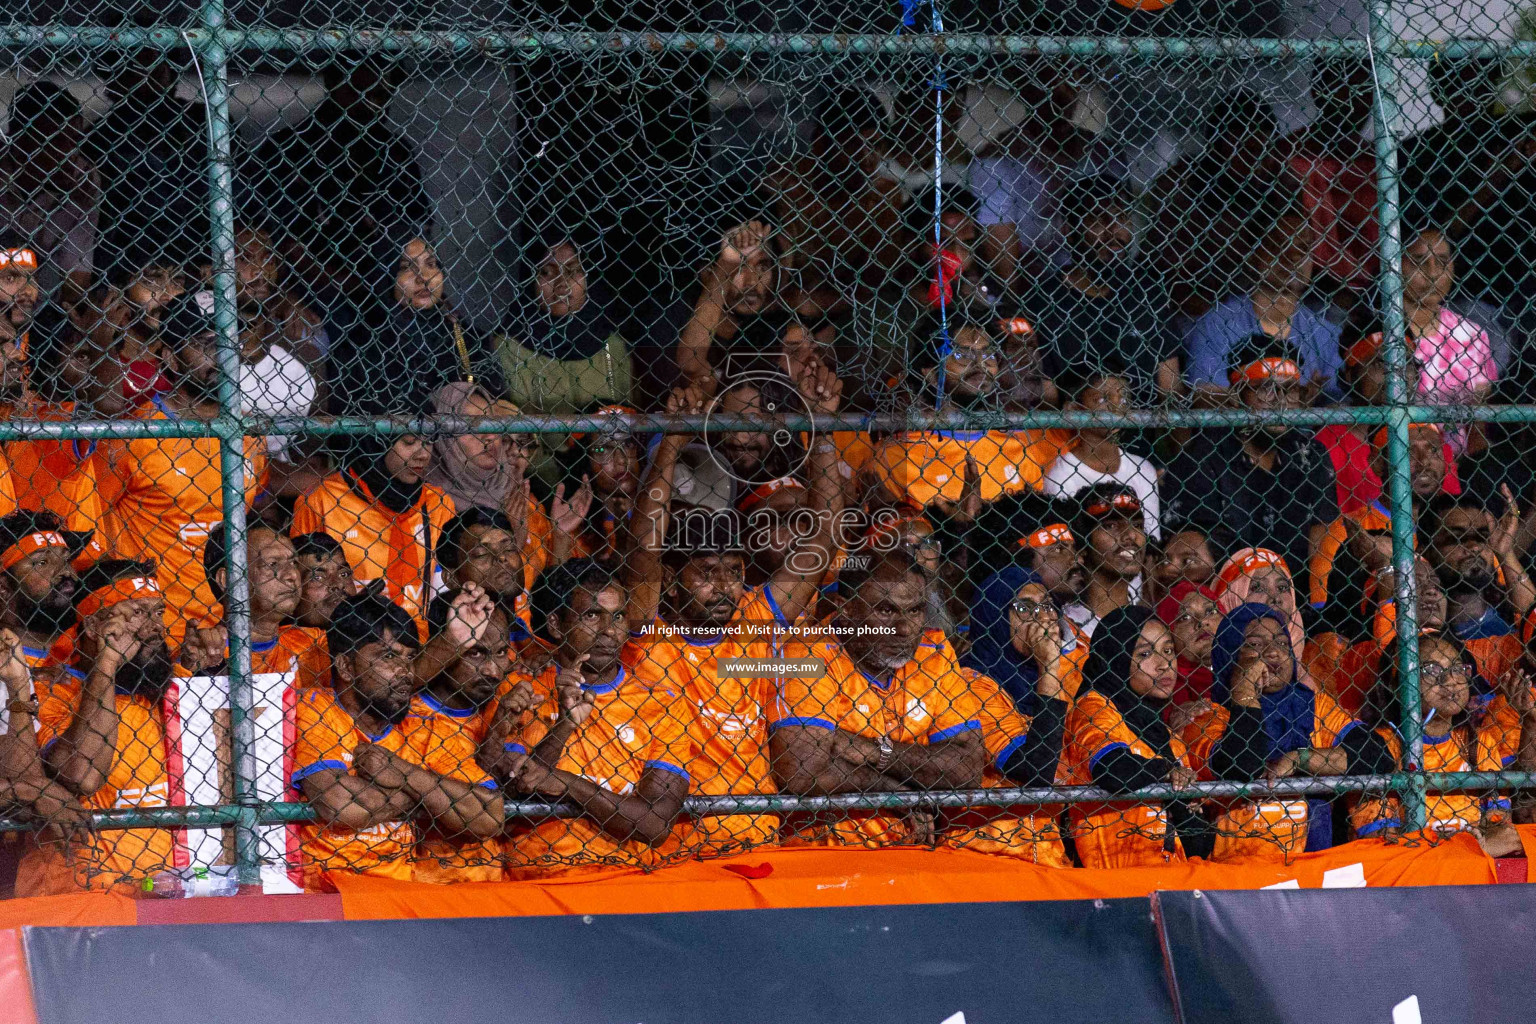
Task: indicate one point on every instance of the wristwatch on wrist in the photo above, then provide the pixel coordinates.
(887, 754)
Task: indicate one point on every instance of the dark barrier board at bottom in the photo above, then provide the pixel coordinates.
(1087, 961)
(1434, 954)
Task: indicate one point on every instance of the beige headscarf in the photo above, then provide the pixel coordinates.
(451, 472)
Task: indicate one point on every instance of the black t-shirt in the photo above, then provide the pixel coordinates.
(1127, 330)
(1213, 486)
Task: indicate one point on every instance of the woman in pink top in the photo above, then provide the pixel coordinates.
(1455, 355)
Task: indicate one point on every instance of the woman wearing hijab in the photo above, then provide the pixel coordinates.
(391, 353)
(1006, 604)
(487, 471)
(1456, 737)
(1116, 738)
(1191, 613)
(1021, 725)
(387, 518)
(1268, 724)
(565, 353)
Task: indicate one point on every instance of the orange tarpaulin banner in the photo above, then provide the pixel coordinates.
(77, 910)
(849, 877)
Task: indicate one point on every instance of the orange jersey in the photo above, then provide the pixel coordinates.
(449, 745)
(322, 736)
(1373, 518)
(165, 494)
(1113, 835)
(730, 724)
(1457, 812)
(1454, 752)
(7, 488)
(538, 547)
(1266, 830)
(378, 543)
(145, 770)
(927, 700)
(638, 723)
(1033, 836)
(61, 477)
(921, 468)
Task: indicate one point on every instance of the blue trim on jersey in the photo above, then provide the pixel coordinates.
(778, 615)
(443, 709)
(1011, 749)
(955, 730)
(668, 766)
(602, 688)
(818, 723)
(1097, 754)
(876, 683)
(308, 770)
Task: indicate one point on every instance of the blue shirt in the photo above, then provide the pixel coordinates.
(1214, 336)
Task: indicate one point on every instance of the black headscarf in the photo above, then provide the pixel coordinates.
(1108, 671)
(391, 359)
(363, 461)
(579, 335)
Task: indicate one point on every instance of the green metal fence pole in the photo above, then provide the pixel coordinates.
(237, 620)
(1399, 478)
(450, 42)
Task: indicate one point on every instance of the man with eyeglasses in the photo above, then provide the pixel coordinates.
(954, 475)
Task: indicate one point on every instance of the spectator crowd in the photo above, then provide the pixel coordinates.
(614, 621)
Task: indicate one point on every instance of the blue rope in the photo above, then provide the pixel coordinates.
(940, 84)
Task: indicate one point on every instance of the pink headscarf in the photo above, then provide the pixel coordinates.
(1234, 583)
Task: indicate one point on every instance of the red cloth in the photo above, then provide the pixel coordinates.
(1194, 680)
(1358, 486)
(142, 380)
(1339, 198)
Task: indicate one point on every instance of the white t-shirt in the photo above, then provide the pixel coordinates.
(1069, 474)
(278, 384)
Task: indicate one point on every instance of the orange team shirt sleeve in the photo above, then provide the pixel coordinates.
(816, 703)
(56, 703)
(668, 718)
(450, 752)
(1003, 729)
(1331, 722)
(323, 736)
(1320, 565)
(7, 486)
(958, 710)
(1201, 736)
(1095, 727)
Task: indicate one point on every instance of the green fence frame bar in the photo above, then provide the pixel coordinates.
(237, 619)
(227, 815)
(451, 42)
(1399, 482)
(18, 430)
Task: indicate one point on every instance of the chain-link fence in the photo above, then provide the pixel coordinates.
(468, 443)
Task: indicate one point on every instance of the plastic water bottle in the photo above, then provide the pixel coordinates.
(219, 880)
